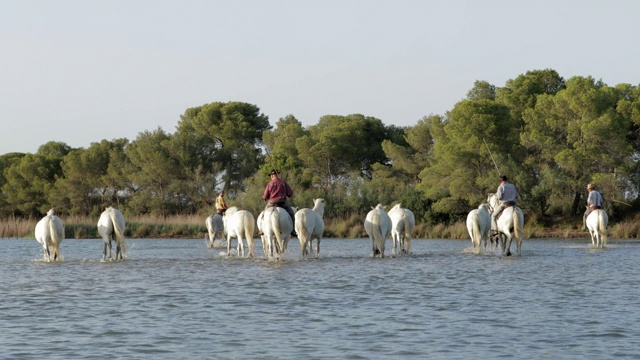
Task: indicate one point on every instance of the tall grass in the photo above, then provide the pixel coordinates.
(83, 227)
(346, 227)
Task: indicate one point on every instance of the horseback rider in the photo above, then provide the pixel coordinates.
(276, 194)
(594, 201)
(221, 206)
(507, 195)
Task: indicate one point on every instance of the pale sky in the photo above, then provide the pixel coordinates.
(87, 70)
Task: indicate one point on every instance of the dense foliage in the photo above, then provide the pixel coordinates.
(551, 136)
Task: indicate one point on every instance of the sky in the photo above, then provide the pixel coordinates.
(82, 71)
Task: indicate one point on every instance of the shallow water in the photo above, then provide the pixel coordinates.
(178, 299)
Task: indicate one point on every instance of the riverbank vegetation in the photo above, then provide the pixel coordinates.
(192, 227)
(551, 136)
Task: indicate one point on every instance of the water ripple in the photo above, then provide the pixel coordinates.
(178, 299)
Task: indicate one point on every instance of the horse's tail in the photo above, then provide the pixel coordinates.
(118, 229)
(302, 224)
(602, 227)
(476, 234)
(56, 232)
(378, 238)
(407, 226)
(210, 231)
(249, 232)
(275, 225)
(518, 229)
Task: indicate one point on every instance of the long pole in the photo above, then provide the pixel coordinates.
(490, 154)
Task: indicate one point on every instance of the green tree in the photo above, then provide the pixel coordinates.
(342, 145)
(29, 181)
(6, 161)
(522, 92)
(280, 145)
(482, 90)
(577, 136)
(461, 169)
(156, 173)
(220, 144)
(92, 178)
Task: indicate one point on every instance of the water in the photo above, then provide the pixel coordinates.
(178, 299)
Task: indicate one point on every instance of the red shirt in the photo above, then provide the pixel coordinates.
(277, 190)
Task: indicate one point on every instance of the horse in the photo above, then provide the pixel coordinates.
(403, 223)
(215, 227)
(50, 233)
(239, 224)
(310, 225)
(276, 228)
(479, 226)
(265, 246)
(378, 226)
(597, 223)
(509, 225)
(111, 228)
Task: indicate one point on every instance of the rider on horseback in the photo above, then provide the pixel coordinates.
(221, 206)
(276, 194)
(594, 201)
(507, 195)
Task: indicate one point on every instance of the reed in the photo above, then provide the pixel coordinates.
(625, 230)
(14, 227)
(345, 227)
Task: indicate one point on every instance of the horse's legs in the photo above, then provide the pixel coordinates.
(395, 243)
(317, 247)
(240, 246)
(507, 249)
(47, 253)
(118, 251)
(228, 245)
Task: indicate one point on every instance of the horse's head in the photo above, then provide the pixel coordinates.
(51, 212)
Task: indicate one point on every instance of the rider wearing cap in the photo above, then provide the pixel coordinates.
(594, 201)
(276, 194)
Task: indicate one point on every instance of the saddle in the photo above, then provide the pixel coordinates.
(507, 204)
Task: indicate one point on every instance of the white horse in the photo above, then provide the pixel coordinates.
(265, 246)
(403, 222)
(597, 223)
(276, 228)
(378, 226)
(239, 224)
(479, 226)
(111, 227)
(215, 228)
(510, 225)
(310, 225)
(50, 233)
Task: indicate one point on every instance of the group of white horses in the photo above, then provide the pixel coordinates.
(509, 227)
(399, 223)
(50, 232)
(274, 226)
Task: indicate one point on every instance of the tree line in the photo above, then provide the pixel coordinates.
(551, 136)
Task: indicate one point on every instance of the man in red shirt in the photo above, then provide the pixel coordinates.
(276, 194)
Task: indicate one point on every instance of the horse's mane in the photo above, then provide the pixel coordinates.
(232, 209)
